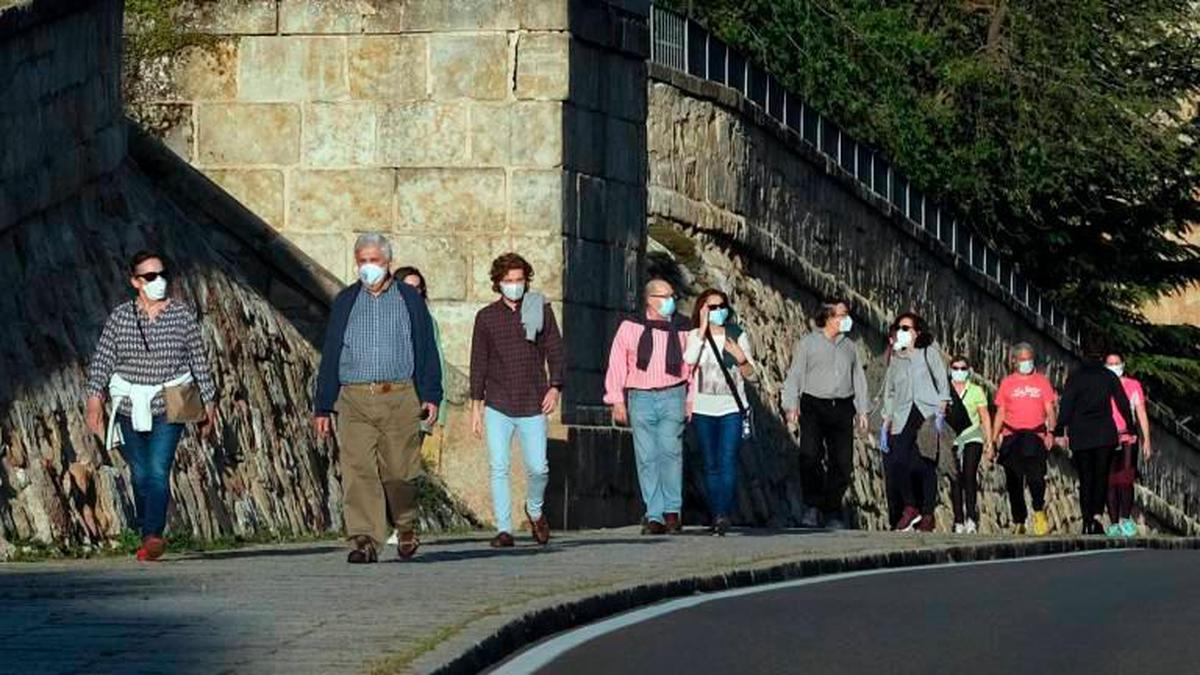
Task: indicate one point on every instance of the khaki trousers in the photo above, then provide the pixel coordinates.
(379, 434)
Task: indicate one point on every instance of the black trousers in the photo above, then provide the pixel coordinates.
(911, 479)
(826, 450)
(1092, 465)
(964, 490)
(1121, 480)
(1023, 456)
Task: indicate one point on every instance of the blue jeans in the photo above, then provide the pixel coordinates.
(657, 418)
(150, 455)
(532, 433)
(720, 438)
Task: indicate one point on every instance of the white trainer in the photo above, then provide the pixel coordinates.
(959, 528)
(969, 527)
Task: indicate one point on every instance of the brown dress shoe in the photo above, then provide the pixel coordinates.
(674, 524)
(540, 528)
(407, 547)
(363, 552)
(503, 540)
(654, 527)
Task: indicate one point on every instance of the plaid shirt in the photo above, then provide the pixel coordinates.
(508, 372)
(377, 346)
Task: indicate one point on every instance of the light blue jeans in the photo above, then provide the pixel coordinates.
(658, 419)
(532, 434)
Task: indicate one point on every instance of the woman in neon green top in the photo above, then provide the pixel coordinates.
(969, 447)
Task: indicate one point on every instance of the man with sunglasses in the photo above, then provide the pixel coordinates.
(646, 385)
(826, 387)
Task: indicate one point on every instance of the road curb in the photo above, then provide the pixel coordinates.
(506, 637)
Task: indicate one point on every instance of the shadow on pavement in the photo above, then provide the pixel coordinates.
(236, 554)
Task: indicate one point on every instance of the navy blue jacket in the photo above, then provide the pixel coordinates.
(427, 368)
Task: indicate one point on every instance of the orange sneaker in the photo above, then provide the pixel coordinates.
(152, 549)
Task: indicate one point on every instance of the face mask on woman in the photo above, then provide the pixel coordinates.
(845, 325)
(1025, 366)
(157, 289)
(960, 374)
(904, 339)
(371, 274)
(667, 307)
(718, 317)
(513, 290)
(1118, 369)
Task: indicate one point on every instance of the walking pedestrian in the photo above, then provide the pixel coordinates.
(721, 357)
(646, 385)
(969, 446)
(516, 376)
(151, 363)
(825, 389)
(1025, 414)
(916, 393)
(1125, 461)
(1086, 426)
(379, 377)
(413, 277)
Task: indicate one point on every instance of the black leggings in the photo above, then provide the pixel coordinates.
(964, 489)
(1023, 456)
(1092, 465)
(907, 471)
(1123, 474)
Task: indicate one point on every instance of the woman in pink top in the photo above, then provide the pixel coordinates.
(1124, 465)
(1025, 414)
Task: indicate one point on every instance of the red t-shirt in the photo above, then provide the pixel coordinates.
(1024, 398)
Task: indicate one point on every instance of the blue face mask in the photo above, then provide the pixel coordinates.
(667, 308)
(846, 324)
(371, 274)
(718, 317)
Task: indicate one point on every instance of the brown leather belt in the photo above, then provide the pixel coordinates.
(378, 387)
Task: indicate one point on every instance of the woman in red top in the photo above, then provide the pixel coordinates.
(1124, 464)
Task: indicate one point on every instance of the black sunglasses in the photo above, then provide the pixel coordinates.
(151, 276)
(720, 306)
(905, 328)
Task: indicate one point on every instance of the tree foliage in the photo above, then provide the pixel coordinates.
(1060, 129)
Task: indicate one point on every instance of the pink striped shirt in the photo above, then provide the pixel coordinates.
(623, 372)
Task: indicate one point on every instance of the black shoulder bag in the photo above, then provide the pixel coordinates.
(747, 415)
(956, 413)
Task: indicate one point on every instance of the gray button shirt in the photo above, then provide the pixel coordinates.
(915, 377)
(827, 369)
(377, 346)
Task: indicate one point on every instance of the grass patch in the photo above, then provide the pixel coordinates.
(127, 543)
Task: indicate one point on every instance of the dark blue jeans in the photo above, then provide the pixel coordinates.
(720, 438)
(150, 455)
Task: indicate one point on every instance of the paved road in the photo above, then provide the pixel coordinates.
(1124, 612)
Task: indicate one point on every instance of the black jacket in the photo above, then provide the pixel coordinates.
(1085, 410)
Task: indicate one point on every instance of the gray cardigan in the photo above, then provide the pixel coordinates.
(909, 382)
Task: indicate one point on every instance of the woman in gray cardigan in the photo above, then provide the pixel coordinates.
(916, 392)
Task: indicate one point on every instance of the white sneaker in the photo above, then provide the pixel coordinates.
(959, 528)
(969, 527)
(394, 540)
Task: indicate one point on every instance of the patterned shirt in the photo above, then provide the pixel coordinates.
(508, 372)
(377, 346)
(159, 351)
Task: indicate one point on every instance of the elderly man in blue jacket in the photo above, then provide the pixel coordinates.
(380, 375)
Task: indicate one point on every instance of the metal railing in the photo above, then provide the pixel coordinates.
(681, 44)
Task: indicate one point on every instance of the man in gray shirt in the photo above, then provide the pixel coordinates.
(827, 387)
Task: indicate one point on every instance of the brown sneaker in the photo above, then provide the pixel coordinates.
(363, 552)
(674, 524)
(503, 540)
(152, 548)
(407, 547)
(539, 527)
(653, 527)
(927, 524)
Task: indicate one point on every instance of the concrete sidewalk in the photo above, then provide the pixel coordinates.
(459, 605)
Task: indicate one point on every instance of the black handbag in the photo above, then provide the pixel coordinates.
(747, 415)
(957, 416)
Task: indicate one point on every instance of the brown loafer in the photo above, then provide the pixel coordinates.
(654, 527)
(539, 527)
(363, 552)
(673, 524)
(407, 547)
(503, 540)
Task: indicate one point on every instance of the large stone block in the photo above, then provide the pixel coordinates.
(260, 190)
(388, 67)
(292, 68)
(537, 133)
(439, 200)
(442, 260)
(340, 134)
(625, 87)
(247, 134)
(543, 66)
(326, 16)
(392, 16)
(334, 252)
(543, 14)
(352, 200)
(230, 17)
(536, 201)
(545, 253)
(424, 134)
(625, 150)
(172, 123)
(583, 139)
(470, 66)
(456, 321)
(491, 134)
(205, 72)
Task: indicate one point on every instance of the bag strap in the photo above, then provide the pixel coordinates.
(717, 353)
(930, 369)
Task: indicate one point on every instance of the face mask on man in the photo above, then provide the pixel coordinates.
(371, 274)
(1025, 366)
(904, 339)
(513, 290)
(960, 374)
(157, 289)
(1118, 369)
(845, 324)
(718, 317)
(667, 307)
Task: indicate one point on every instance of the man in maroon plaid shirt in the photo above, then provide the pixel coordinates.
(516, 376)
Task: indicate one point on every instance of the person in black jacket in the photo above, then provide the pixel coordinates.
(1085, 424)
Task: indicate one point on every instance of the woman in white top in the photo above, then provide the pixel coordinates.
(718, 412)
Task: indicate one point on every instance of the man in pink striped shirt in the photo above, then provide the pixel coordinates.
(647, 388)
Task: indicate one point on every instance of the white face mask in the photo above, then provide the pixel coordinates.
(1118, 370)
(371, 274)
(513, 290)
(157, 289)
(1025, 367)
(846, 324)
(904, 339)
(959, 375)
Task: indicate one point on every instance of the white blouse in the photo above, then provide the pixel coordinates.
(711, 393)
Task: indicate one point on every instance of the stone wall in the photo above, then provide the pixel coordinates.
(720, 171)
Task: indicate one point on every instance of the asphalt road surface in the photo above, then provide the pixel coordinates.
(1113, 612)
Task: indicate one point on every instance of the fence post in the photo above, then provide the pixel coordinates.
(686, 69)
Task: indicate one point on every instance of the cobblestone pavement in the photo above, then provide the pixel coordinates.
(301, 609)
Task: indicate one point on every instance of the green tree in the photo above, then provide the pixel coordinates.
(1057, 128)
